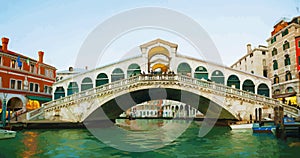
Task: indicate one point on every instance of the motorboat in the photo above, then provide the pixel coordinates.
(5, 134)
(241, 126)
(263, 127)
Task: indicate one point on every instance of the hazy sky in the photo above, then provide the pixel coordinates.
(59, 27)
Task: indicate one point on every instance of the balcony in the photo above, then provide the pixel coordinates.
(287, 68)
(275, 72)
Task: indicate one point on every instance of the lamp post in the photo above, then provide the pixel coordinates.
(4, 110)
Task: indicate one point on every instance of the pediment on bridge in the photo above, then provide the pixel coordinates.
(151, 43)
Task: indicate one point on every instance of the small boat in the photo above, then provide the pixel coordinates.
(264, 127)
(241, 126)
(5, 134)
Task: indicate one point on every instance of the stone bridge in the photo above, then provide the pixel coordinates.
(110, 100)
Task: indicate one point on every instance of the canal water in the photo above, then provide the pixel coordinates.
(219, 142)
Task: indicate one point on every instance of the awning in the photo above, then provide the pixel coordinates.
(44, 99)
(284, 95)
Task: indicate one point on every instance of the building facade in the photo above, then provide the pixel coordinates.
(254, 62)
(284, 63)
(23, 80)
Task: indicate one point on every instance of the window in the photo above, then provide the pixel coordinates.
(13, 63)
(298, 47)
(288, 76)
(276, 79)
(51, 74)
(286, 45)
(273, 40)
(274, 51)
(298, 60)
(287, 60)
(251, 55)
(47, 73)
(285, 32)
(289, 90)
(0, 60)
(36, 87)
(45, 89)
(31, 68)
(31, 85)
(264, 62)
(252, 72)
(12, 84)
(19, 85)
(265, 73)
(275, 65)
(263, 52)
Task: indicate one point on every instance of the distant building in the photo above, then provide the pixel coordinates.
(163, 108)
(284, 57)
(60, 75)
(254, 62)
(23, 78)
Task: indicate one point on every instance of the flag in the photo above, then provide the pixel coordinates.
(19, 62)
(27, 61)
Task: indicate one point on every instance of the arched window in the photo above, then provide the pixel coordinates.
(117, 74)
(72, 88)
(286, 45)
(275, 65)
(133, 69)
(201, 72)
(102, 79)
(86, 84)
(59, 92)
(288, 76)
(289, 90)
(184, 69)
(217, 77)
(274, 51)
(233, 81)
(263, 89)
(276, 79)
(249, 86)
(287, 60)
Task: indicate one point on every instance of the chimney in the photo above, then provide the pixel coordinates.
(41, 56)
(4, 44)
(249, 48)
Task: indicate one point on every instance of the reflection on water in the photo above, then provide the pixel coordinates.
(219, 142)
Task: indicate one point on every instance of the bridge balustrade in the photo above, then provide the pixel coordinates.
(185, 80)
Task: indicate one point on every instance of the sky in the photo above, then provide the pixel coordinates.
(59, 27)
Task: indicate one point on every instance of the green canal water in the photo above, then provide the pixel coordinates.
(219, 142)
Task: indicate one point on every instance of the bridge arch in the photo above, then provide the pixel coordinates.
(133, 69)
(59, 92)
(218, 77)
(263, 89)
(86, 84)
(184, 69)
(113, 109)
(249, 86)
(158, 50)
(72, 88)
(201, 72)
(233, 80)
(101, 79)
(117, 74)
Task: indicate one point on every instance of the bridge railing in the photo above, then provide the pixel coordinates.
(245, 94)
(170, 77)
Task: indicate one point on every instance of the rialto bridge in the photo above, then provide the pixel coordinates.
(160, 73)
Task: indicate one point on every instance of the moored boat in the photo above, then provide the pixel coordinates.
(264, 127)
(241, 126)
(5, 134)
